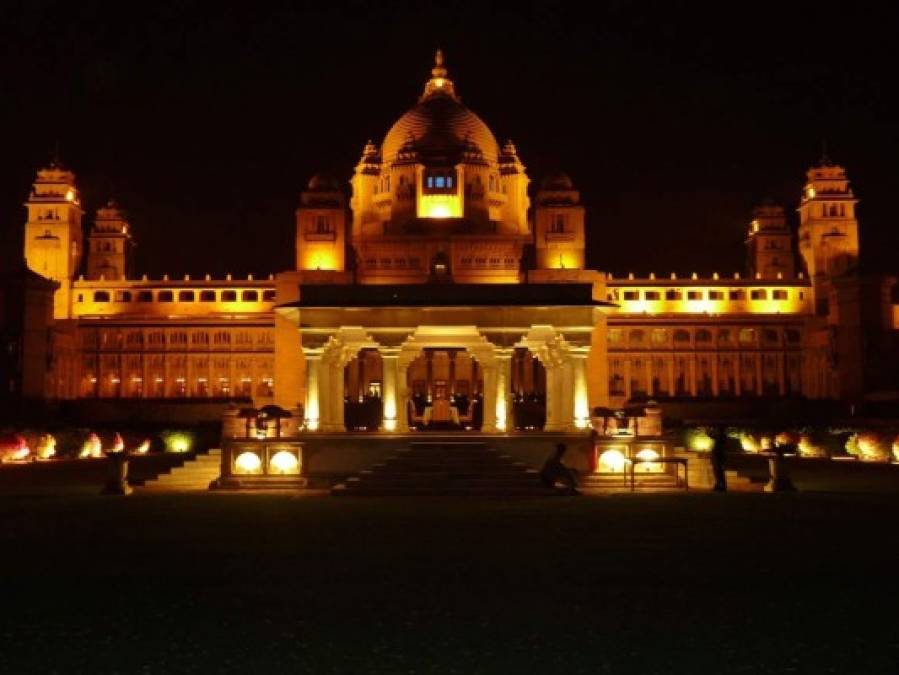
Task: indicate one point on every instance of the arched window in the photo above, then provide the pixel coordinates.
(101, 296)
(185, 296)
(636, 337)
(207, 296)
(747, 336)
(268, 296)
(166, 296)
(229, 296)
(681, 336)
(250, 296)
(702, 335)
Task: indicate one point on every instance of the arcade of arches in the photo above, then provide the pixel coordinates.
(446, 378)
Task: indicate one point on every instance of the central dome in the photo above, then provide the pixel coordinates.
(440, 125)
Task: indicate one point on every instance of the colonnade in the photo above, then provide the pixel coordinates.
(567, 405)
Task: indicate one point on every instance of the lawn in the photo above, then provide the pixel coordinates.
(236, 583)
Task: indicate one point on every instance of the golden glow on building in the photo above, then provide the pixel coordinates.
(284, 462)
(247, 462)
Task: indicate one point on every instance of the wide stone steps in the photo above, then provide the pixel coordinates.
(449, 469)
(195, 474)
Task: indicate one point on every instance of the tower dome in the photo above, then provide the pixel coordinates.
(440, 126)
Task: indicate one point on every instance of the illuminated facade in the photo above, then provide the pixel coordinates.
(441, 295)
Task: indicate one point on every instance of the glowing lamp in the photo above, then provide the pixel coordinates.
(649, 460)
(612, 460)
(177, 442)
(70, 195)
(282, 462)
(248, 462)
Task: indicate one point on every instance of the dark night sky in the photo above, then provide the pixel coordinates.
(205, 122)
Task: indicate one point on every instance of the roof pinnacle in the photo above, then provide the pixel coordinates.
(439, 82)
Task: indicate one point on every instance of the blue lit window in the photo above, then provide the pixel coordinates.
(430, 181)
(439, 181)
(449, 181)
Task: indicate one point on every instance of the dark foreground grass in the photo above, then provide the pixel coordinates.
(269, 584)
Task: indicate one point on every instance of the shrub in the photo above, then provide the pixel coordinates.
(178, 440)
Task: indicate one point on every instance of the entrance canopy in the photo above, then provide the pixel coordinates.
(559, 324)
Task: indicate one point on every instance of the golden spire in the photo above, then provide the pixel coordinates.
(439, 82)
(438, 70)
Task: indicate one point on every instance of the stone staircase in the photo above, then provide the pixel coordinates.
(195, 474)
(646, 482)
(459, 468)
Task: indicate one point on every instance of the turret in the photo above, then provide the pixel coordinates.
(769, 245)
(53, 236)
(828, 229)
(110, 247)
(559, 224)
(321, 226)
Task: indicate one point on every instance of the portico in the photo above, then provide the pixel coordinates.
(449, 357)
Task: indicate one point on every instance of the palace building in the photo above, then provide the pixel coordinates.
(447, 293)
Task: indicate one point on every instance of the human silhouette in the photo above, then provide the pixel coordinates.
(554, 471)
(719, 459)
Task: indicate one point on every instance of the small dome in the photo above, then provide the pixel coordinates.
(557, 181)
(322, 183)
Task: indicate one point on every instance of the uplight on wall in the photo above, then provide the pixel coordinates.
(284, 462)
(247, 463)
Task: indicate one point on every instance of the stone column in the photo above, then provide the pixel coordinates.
(692, 374)
(581, 404)
(714, 363)
(565, 388)
(503, 406)
(627, 378)
(549, 370)
(489, 397)
(390, 396)
(312, 406)
(402, 395)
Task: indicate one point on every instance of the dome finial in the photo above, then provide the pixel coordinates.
(438, 70)
(439, 82)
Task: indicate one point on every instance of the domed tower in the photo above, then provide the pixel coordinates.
(321, 226)
(439, 200)
(110, 248)
(769, 244)
(53, 235)
(828, 229)
(559, 224)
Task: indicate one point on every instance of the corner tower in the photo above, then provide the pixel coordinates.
(53, 235)
(769, 245)
(828, 229)
(110, 248)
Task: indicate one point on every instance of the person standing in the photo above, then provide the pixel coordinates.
(719, 460)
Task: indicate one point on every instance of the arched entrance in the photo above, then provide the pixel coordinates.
(528, 391)
(445, 387)
(363, 384)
